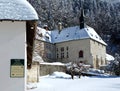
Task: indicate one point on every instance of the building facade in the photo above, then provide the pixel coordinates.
(78, 43)
(46, 50)
(72, 44)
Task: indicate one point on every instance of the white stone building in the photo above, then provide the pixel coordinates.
(17, 19)
(78, 43)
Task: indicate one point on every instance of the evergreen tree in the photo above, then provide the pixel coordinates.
(114, 66)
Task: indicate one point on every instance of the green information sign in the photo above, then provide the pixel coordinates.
(17, 68)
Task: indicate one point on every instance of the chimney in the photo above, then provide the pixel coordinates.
(81, 19)
(60, 27)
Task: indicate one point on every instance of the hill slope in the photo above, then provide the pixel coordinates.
(102, 15)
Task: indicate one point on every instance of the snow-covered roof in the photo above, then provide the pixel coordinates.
(43, 35)
(68, 34)
(17, 10)
(54, 63)
(74, 33)
(109, 57)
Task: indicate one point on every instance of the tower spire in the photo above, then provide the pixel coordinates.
(81, 19)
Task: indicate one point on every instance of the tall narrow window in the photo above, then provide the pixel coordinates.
(67, 55)
(62, 55)
(62, 49)
(80, 54)
(67, 48)
(57, 55)
(62, 52)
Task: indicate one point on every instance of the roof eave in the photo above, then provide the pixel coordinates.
(99, 42)
(19, 19)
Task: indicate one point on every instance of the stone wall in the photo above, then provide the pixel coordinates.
(33, 73)
(98, 53)
(46, 50)
(72, 49)
(49, 68)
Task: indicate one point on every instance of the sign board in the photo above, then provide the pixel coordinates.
(17, 68)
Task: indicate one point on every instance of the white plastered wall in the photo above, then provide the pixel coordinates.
(12, 46)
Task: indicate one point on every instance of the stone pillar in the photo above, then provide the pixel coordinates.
(33, 73)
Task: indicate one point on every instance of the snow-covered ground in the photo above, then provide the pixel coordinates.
(60, 81)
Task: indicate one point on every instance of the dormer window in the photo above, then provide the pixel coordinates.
(40, 35)
(96, 36)
(55, 37)
(67, 35)
(91, 34)
(47, 37)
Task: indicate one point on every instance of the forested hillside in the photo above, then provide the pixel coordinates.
(102, 15)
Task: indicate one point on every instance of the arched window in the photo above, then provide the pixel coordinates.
(80, 54)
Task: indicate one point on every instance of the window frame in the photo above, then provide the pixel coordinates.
(81, 54)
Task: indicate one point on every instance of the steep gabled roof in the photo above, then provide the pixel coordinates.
(75, 33)
(17, 10)
(69, 34)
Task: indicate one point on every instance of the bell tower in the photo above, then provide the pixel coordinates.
(81, 19)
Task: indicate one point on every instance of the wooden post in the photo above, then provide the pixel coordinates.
(31, 31)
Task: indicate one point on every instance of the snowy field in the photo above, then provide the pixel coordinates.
(59, 81)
